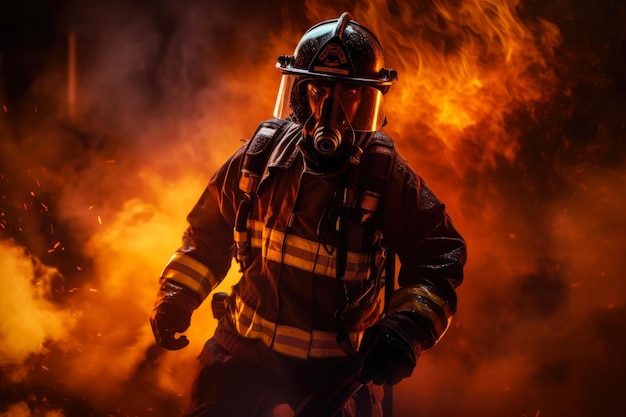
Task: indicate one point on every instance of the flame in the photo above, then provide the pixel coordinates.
(464, 67)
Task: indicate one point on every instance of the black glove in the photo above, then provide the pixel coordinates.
(167, 320)
(388, 357)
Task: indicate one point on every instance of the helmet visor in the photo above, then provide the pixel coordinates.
(361, 105)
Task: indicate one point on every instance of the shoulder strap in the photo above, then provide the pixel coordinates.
(257, 152)
(255, 158)
(366, 183)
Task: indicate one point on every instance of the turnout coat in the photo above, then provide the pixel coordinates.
(291, 300)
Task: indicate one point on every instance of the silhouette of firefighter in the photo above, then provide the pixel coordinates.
(316, 207)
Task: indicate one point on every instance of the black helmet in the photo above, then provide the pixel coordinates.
(337, 50)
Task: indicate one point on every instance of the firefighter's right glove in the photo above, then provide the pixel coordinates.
(388, 356)
(174, 305)
(167, 320)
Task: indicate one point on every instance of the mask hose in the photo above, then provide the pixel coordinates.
(326, 138)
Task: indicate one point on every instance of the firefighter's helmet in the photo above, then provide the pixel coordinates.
(336, 51)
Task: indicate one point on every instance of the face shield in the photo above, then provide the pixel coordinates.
(343, 105)
(331, 111)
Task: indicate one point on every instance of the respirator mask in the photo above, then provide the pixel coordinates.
(332, 106)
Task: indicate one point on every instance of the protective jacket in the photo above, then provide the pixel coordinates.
(288, 296)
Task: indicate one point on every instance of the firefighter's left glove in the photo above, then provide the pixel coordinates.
(388, 355)
(167, 320)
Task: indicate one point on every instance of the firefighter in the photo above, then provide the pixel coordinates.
(319, 200)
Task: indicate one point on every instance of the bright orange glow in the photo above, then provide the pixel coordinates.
(462, 70)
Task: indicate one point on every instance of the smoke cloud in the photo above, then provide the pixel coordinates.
(30, 318)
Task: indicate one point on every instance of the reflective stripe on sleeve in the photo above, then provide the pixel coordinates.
(425, 302)
(186, 270)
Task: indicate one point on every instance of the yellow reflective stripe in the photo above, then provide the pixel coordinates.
(422, 300)
(250, 324)
(324, 344)
(256, 234)
(289, 340)
(357, 267)
(305, 254)
(292, 341)
(186, 270)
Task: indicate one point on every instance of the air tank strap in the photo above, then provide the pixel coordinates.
(256, 155)
(364, 188)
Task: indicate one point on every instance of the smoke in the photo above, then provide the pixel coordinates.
(30, 317)
(23, 410)
(512, 112)
(537, 332)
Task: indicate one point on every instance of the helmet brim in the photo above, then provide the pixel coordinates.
(388, 77)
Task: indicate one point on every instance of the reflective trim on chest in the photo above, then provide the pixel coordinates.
(304, 254)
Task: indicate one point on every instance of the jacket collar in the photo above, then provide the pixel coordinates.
(285, 151)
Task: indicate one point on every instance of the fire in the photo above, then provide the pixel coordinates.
(464, 67)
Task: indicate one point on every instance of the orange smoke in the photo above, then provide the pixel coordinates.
(29, 317)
